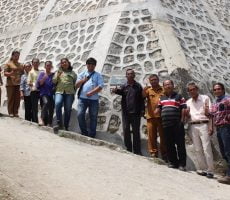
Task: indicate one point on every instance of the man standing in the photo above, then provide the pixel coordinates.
(172, 106)
(220, 111)
(90, 83)
(132, 104)
(152, 94)
(1, 83)
(200, 130)
(34, 95)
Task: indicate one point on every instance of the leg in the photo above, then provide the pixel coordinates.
(169, 133)
(152, 136)
(34, 100)
(10, 99)
(206, 143)
(58, 107)
(93, 112)
(180, 142)
(50, 110)
(28, 108)
(224, 133)
(16, 99)
(135, 123)
(196, 139)
(163, 148)
(81, 109)
(68, 101)
(45, 108)
(126, 132)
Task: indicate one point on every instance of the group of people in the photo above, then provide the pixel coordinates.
(165, 110)
(54, 91)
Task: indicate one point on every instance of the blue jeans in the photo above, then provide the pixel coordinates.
(93, 106)
(67, 100)
(223, 135)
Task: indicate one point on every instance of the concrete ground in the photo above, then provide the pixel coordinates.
(36, 164)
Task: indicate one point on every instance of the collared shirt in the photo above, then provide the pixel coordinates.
(48, 87)
(65, 83)
(24, 85)
(197, 108)
(220, 110)
(132, 100)
(32, 79)
(153, 96)
(16, 77)
(95, 80)
(171, 107)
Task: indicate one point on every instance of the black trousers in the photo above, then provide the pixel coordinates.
(47, 109)
(34, 95)
(28, 108)
(133, 120)
(175, 142)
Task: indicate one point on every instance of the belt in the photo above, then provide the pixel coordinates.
(223, 125)
(200, 122)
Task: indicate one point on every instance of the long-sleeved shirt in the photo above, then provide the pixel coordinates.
(65, 83)
(95, 80)
(132, 100)
(32, 79)
(24, 85)
(220, 110)
(47, 88)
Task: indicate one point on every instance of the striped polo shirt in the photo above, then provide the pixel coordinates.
(171, 107)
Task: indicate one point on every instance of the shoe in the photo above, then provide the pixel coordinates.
(201, 173)
(56, 129)
(11, 115)
(209, 175)
(16, 115)
(170, 165)
(224, 180)
(182, 168)
(153, 155)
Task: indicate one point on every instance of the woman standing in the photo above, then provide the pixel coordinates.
(64, 79)
(13, 70)
(25, 92)
(46, 87)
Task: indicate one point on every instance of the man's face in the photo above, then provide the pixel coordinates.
(91, 67)
(35, 63)
(168, 86)
(130, 75)
(154, 81)
(218, 91)
(193, 91)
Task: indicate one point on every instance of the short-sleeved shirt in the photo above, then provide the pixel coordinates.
(153, 96)
(24, 85)
(48, 86)
(32, 79)
(220, 110)
(197, 108)
(65, 83)
(171, 107)
(96, 80)
(15, 79)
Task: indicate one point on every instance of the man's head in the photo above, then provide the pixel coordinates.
(15, 56)
(218, 89)
(168, 86)
(130, 74)
(193, 89)
(91, 64)
(154, 80)
(35, 63)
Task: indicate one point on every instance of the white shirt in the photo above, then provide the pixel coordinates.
(197, 108)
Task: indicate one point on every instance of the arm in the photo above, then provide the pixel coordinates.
(97, 89)
(7, 71)
(22, 87)
(145, 91)
(41, 79)
(57, 76)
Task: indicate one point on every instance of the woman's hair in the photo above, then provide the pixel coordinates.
(14, 52)
(70, 66)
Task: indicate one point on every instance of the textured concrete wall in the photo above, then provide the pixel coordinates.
(182, 39)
